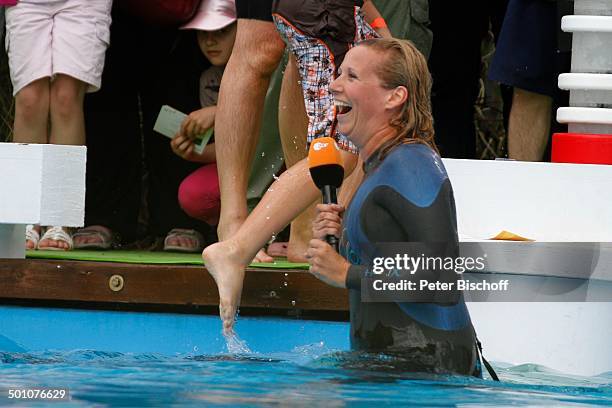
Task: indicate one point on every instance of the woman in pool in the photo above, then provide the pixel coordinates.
(383, 97)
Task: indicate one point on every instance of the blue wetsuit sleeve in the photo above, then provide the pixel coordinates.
(353, 277)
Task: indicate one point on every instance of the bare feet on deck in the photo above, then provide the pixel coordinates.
(263, 257)
(296, 252)
(222, 262)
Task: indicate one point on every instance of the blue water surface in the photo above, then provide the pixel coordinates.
(136, 359)
(310, 375)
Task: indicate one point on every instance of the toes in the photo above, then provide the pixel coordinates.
(263, 257)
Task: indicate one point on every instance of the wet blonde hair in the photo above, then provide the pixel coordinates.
(402, 64)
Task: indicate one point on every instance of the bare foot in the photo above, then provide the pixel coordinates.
(278, 249)
(297, 252)
(222, 262)
(262, 257)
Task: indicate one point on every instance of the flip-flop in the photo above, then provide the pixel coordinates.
(32, 235)
(56, 234)
(105, 240)
(193, 235)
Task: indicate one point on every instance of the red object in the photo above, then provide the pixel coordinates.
(8, 2)
(161, 12)
(581, 148)
(378, 23)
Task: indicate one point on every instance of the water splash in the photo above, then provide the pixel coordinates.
(235, 345)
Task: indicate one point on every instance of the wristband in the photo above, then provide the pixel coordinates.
(378, 23)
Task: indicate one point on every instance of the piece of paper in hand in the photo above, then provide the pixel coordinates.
(169, 121)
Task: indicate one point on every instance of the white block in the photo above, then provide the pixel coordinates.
(12, 241)
(549, 202)
(42, 184)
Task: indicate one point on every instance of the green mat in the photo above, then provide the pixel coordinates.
(146, 257)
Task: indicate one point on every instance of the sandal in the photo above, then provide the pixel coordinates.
(105, 239)
(32, 235)
(193, 235)
(56, 234)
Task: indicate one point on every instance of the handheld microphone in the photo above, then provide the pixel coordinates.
(327, 172)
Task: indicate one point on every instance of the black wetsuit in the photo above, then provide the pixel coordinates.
(407, 197)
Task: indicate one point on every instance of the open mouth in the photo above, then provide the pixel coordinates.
(342, 107)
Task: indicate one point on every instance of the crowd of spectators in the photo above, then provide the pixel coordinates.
(79, 79)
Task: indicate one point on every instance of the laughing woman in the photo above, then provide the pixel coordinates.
(383, 94)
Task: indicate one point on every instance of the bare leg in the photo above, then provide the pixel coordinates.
(529, 125)
(67, 124)
(32, 113)
(257, 51)
(67, 119)
(293, 126)
(226, 261)
(32, 119)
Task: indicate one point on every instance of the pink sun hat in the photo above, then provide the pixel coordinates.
(212, 15)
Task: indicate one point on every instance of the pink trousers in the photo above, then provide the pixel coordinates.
(199, 194)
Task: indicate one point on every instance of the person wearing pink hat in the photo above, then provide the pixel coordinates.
(199, 194)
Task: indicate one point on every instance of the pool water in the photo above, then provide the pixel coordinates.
(310, 375)
(122, 359)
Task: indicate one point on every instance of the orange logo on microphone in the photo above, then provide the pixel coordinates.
(323, 152)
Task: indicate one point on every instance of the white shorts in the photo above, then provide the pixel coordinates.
(47, 38)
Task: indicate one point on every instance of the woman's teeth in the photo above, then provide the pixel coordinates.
(342, 107)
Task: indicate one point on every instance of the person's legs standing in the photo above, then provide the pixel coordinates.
(66, 111)
(529, 125)
(28, 40)
(293, 127)
(32, 113)
(527, 58)
(257, 52)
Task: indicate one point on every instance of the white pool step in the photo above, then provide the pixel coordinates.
(591, 39)
(586, 120)
(41, 184)
(578, 81)
(586, 24)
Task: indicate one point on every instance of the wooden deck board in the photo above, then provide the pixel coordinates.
(177, 285)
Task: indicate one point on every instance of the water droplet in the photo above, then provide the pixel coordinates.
(195, 349)
(263, 154)
(267, 218)
(286, 275)
(285, 283)
(275, 177)
(293, 303)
